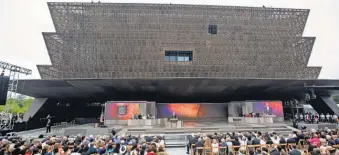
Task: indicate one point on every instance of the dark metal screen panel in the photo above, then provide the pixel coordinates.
(113, 40)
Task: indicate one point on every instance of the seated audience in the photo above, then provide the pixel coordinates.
(213, 144)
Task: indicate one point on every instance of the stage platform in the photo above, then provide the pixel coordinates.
(189, 127)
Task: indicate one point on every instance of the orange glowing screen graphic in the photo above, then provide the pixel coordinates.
(185, 109)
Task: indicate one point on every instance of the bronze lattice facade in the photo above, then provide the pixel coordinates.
(109, 40)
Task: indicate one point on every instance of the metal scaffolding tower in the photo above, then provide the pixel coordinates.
(6, 121)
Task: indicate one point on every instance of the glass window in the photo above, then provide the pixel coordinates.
(173, 58)
(181, 56)
(167, 58)
(212, 29)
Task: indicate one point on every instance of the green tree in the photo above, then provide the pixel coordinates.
(336, 98)
(17, 105)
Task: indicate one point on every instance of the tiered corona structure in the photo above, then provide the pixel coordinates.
(114, 41)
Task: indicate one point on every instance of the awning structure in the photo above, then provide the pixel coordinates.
(175, 89)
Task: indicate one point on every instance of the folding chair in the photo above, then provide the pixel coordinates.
(200, 151)
(235, 149)
(213, 151)
(223, 150)
(207, 150)
(284, 147)
(192, 149)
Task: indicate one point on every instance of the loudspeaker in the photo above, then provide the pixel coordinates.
(4, 81)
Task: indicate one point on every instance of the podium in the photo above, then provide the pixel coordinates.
(237, 121)
(175, 123)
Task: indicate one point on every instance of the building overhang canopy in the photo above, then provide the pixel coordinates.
(174, 89)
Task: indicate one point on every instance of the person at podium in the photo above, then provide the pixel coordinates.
(268, 110)
(174, 115)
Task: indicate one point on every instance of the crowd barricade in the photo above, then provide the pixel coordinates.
(244, 148)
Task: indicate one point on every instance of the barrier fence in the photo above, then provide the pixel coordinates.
(59, 126)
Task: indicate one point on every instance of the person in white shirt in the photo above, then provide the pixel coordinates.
(296, 117)
(322, 117)
(215, 146)
(327, 117)
(243, 143)
(275, 139)
(229, 144)
(161, 142)
(301, 117)
(262, 141)
(335, 119)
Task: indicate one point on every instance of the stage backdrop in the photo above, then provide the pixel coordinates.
(124, 110)
(192, 110)
(219, 110)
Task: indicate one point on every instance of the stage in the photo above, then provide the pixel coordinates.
(189, 127)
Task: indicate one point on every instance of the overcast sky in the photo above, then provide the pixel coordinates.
(22, 21)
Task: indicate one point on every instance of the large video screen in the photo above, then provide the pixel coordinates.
(121, 111)
(191, 110)
(269, 107)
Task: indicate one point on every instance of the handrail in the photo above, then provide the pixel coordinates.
(62, 125)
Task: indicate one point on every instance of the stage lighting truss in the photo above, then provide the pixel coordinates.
(6, 117)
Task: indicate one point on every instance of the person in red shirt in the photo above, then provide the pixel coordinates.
(152, 150)
(315, 140)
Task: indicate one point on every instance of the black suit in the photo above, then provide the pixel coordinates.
(174, 116)
(49, 124)
(268, 111)
(193, 140)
